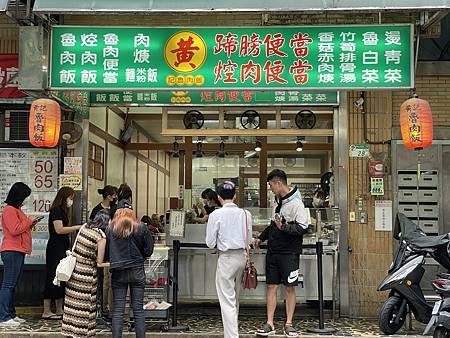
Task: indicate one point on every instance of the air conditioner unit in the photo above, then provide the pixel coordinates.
(16, 125)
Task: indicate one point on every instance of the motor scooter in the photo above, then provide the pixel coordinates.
(406, 272)
(440, 315)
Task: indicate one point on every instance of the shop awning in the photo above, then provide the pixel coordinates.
(148, 6)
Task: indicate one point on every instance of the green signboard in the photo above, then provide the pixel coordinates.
(216, 97)
(257, 58)
(79, 101)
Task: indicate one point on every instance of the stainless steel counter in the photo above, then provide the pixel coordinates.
(197, 269)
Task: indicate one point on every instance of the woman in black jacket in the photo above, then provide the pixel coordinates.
(130, 244)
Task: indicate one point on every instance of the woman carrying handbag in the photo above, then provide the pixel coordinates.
(228, 230)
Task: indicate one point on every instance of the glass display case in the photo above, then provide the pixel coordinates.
(324, 224)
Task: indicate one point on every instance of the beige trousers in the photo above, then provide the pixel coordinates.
(230, 267)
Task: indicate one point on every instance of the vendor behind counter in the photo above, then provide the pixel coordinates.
(210, 203)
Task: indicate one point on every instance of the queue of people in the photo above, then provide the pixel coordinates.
(114, 231)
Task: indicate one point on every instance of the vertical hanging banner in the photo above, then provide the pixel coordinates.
(260, 58)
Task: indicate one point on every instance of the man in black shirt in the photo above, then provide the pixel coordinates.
(285, 237)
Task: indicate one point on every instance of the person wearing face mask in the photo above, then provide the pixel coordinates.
(109, 194)
(58, 243)
(16, 243)
(124, 196)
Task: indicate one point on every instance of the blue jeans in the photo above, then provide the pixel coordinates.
(13, 262)
(120, 280)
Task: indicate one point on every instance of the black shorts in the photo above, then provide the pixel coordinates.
(282, 268)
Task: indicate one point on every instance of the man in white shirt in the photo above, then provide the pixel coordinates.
(226, 231)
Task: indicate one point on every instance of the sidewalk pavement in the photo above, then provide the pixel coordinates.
(205, 321)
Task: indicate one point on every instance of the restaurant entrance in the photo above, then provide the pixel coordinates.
(207, 144)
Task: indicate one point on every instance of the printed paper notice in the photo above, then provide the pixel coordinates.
(73, 181)
(177, 222)
(383, 215)
(73, 165)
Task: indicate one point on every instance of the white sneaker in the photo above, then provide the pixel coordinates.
(9, 323)
(19, 320)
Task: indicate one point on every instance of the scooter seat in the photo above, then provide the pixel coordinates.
(428, 242)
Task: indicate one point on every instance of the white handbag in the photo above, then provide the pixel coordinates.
(66, 265)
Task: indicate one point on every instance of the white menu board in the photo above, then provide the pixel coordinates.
(38, 168)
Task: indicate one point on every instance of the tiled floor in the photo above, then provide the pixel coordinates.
(207, 320)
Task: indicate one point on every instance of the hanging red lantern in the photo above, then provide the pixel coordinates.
(416, 123)
(45, 123)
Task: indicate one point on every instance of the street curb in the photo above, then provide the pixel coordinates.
(22, 334)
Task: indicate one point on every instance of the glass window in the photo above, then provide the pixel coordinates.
(96, 161)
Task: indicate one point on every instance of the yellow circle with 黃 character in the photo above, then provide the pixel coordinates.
(185, 51)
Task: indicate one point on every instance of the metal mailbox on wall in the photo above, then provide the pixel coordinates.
(424, 199)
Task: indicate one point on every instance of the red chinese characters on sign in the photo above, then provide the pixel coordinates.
(220, 96)
(273, 71)
(206, 96)
(250, 46)
(299, 69)
(226, 69)
(226, 43)
(185, 52)
(224, 96)
(233, 96)
(9, 72)
(273, 44)
(251, 71)
(299, 42)
(247, 95)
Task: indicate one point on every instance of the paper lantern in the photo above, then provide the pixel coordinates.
(45, 123)
(416, 123)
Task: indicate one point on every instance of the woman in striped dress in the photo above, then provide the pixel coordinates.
(80, 301)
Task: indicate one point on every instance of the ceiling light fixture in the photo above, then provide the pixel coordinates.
(258, 146)
(299, 145)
